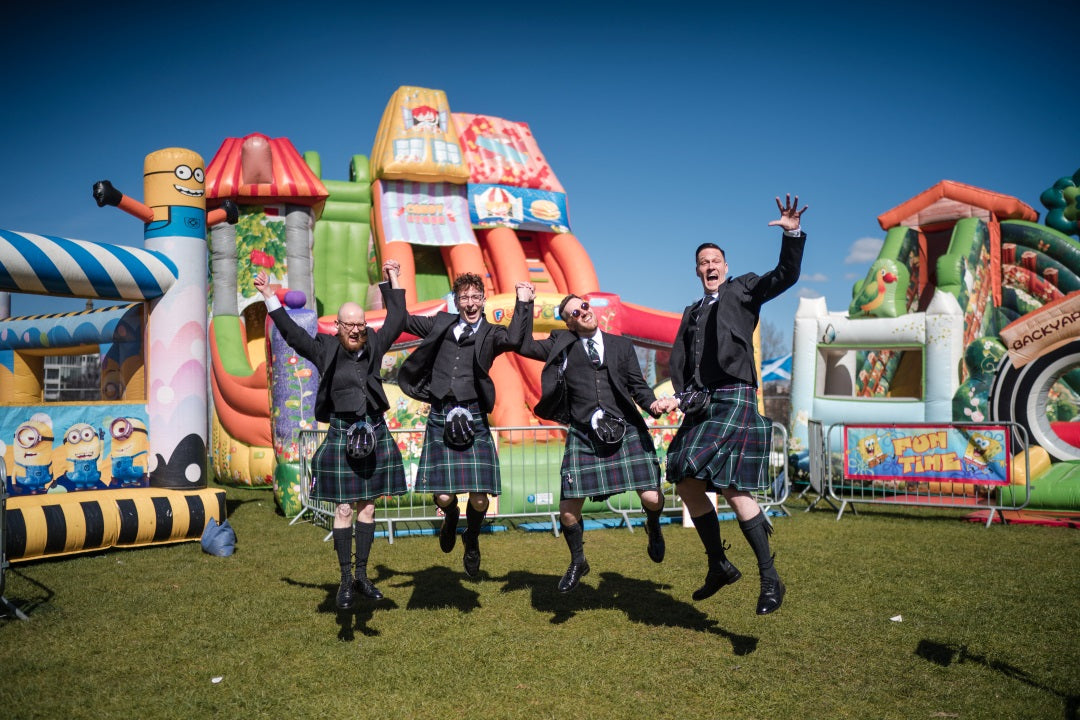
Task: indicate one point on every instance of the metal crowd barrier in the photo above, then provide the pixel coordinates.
(4, 602)
(530, 458)
(957, 495)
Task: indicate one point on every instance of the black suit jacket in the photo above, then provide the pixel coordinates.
(324, 350)
(739, 303)
(414, 376)
(620, 360)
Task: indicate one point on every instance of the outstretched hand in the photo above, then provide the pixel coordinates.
(789, 213)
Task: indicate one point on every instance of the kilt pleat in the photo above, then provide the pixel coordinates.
(591, 470)
(445, 469)
(725, 445)
(342, 479)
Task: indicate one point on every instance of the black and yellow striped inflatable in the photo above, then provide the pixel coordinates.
(50, 525)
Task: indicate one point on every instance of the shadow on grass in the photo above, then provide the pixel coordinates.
(25, 605)
(642, 601)
(945, 654)
(232, 505)
(350, 622)
(435, 587)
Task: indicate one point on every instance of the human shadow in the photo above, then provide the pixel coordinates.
(641, 601)
(945, 654)
(355, 620)
(434, 587)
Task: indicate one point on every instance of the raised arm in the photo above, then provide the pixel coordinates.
(521, 326)
(296, 337)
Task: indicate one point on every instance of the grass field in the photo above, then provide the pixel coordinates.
(989, 629)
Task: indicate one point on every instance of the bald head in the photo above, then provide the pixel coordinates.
(351, 326)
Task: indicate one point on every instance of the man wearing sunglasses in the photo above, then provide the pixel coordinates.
(592, 382)
(449, 369)
(351, 396)
(723, 443)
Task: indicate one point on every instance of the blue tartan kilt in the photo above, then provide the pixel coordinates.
(595, 471)
(342, 479)
(446, 469)
(726, 445)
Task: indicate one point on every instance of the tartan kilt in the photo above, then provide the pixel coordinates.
(726, 444)
(342, 479)
(591, 470)
(444, 469)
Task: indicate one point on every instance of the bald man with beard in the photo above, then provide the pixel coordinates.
(350, 398)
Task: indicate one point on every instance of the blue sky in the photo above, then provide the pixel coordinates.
(667, 126)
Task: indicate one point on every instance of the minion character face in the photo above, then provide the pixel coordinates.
(129, 450)
(174, 177)
(83, 444)
(981, 449)
(32, 452)
(870, 449)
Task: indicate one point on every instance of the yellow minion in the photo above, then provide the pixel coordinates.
(33, 452)
(130, 446)
(83, 445)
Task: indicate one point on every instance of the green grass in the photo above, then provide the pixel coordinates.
(990, 624)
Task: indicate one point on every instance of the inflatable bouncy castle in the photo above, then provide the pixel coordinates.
(969, 314)
(444, 193)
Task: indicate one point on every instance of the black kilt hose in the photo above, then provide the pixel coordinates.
(727, 444)
(446, 469)
(596, 471)
(342, 479)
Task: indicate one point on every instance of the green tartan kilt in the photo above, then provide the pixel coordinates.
(342, 479)
(446, 469)
(726, 445)
(593, 470)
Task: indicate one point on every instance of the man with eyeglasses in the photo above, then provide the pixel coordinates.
(591, 381)
(723, 443)
(449, 370)
(359, 461)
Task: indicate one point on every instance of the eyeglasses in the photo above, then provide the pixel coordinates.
(581, 308)
(470, 298)
(352, 326)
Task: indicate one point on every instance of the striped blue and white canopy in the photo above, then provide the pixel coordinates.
(47, 265)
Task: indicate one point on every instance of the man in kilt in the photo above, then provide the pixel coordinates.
(351, 399)
(591, 381)
(449, 370)
(723, 443)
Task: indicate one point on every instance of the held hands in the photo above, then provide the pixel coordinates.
(663, 405)
(262, 284)
(391, 271)
(525, 291)
(789, 213)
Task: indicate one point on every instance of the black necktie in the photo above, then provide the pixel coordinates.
(594, 357)
(703, 305)
(466, 332)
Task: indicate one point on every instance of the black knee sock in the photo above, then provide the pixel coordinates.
(343, 545)
(708, 529)
(757, 531)
(652, 517)
(575, 540)
(365, 536)
(474, 519)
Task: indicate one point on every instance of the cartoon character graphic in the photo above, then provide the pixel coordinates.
(129, 453)
(33, 451)
(981, 449)
(870, 449)
(425, 119)
(84, 445)
(175, 193)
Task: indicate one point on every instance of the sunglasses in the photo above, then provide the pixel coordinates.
(581, 308)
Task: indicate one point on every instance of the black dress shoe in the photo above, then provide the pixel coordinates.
(448, 531)
(573, 576)
(772, 595)
(721, 573)
(345, 596)
(471, 559)
(367, 588)
(656, 547)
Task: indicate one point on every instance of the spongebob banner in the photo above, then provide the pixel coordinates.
(66, 448)
(912, 453)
